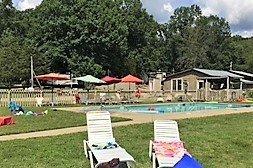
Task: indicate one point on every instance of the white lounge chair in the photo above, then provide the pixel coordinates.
(164, 131)
(100, 132)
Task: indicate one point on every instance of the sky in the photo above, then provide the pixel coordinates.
(239, 13)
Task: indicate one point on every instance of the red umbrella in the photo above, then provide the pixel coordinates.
(110, 80)
(131, 79)
(53, 77)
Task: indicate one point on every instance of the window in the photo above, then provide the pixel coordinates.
(179, 84)
(186, 85)
(201, 84)
(174, 85)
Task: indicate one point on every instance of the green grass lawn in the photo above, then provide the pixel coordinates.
(53, 120)
(217, 142)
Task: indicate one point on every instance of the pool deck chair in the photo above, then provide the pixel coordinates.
(99, 135)
(167, 131)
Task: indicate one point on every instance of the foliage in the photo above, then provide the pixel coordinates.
(214, 141)
(245, 48)
(92, 37)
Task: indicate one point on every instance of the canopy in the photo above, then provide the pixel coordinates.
(110, 80)
(53, 77)
(131, 79)
(89, 79)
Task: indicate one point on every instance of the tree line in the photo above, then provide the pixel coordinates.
(93, 37)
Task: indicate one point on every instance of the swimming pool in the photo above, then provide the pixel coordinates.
(173, 107)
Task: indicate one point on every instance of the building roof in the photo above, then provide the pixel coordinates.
(217, 73)
(210, 74)
(242, 73)
(247, 82)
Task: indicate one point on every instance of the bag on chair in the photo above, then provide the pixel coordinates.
(114, 163)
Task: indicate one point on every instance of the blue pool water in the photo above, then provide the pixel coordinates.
(174, 107)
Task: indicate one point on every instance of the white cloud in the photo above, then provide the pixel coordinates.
(237, 13)
(248, 33)
(160, 9)
(28, 4)
(168, 7)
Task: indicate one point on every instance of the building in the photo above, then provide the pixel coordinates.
(247, 79)
(155, 80)
(204, 84)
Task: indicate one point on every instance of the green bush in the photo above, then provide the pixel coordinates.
(250, 94)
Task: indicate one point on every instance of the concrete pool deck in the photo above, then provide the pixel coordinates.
(137, 118)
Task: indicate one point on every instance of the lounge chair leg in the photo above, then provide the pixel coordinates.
(85, 148)
(150, 149)
(91, 160)
(154, 160)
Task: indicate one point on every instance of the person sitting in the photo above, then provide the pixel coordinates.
(138, 93)
(15, 107)
(78, 98)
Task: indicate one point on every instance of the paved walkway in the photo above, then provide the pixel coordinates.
(137, 118)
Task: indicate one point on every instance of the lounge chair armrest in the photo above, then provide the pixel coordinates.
(150, 148)
(85, 147)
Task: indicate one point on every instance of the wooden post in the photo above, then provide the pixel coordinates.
(197, 88)
(241, 89)
(206, 89)
(171, 85)
(228, 83)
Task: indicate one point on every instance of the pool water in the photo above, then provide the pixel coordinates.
(174, 107)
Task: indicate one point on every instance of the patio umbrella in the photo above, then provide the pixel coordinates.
(90, 80)
(131, 79)
(52, 77)
(110, 80)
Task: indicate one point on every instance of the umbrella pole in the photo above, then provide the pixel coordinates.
(108, 91)
(129, 90)
(52, 93)
(52, 97)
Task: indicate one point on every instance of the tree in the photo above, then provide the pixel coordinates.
(199, 41)
(14, 57)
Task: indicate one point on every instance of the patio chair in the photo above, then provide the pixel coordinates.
(166, 131)
(101, 146)
(39, 101)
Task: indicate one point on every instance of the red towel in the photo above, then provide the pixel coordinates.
(7, 120)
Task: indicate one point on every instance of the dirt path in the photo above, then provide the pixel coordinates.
(137, 118)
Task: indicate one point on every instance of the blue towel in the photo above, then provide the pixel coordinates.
(188, 162)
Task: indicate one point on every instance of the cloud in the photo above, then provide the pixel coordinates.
(28, 4)
(237, 13)
(168, 7)
(160, 9)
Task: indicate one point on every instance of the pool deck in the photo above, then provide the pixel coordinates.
(139, 118)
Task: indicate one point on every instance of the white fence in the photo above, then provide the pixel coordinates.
(62, 96)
